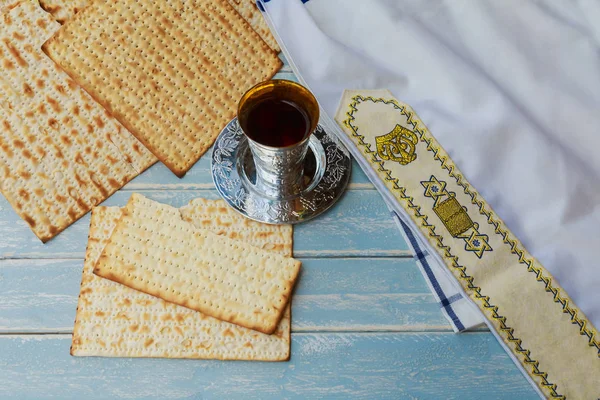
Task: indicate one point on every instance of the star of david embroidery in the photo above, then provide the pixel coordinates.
(434, 188)
(477, 243)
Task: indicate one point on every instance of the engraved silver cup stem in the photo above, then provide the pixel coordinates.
(279, 170)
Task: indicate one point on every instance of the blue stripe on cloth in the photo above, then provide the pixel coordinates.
(451, 299)
(421, 256)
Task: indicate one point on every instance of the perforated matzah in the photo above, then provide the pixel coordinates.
(6, 5)
(62, 10)
(153, 250)
(171, 71)
(60, 152)
(116, 321)
(216, 216)
(251, 13)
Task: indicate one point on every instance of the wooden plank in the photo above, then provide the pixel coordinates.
(352, 294)
(330, 365)
(358, 225)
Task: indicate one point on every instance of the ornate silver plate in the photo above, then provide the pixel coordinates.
(326, 174)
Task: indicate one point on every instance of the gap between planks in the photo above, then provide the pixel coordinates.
(299, 332)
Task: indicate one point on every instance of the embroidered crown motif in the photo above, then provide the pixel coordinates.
(398, 145)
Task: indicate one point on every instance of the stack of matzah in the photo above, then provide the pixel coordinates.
(60, 152)
(172, 72)
(174, 255)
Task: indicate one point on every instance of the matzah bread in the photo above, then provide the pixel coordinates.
(116, 321)
(250, 12)
(171, 71)
(6, 5)
(220, 219)
(63, 10)
(60, 151)
(153, 250)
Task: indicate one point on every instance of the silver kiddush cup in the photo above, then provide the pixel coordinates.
(279, 170)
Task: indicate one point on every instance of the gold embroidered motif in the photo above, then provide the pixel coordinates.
(473, 242)
(453, 216)
(476, 242)
(398, 145)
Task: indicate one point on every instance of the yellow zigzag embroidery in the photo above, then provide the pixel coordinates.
(453, 260)
(514, 243)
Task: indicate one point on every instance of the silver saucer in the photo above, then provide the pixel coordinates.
(326, 174)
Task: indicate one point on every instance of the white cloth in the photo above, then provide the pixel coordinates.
(510, 89)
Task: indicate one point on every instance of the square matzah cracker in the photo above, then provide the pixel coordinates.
(171, 71)
(153, 250)
(116, 321)
(63, 10)
(60, 151)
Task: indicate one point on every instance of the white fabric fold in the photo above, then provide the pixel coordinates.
(511, 90)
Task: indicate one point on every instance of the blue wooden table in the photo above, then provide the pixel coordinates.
(364, 322)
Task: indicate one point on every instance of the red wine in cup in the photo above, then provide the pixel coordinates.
(277, 123)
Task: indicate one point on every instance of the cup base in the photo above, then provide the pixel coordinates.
(327, 169)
